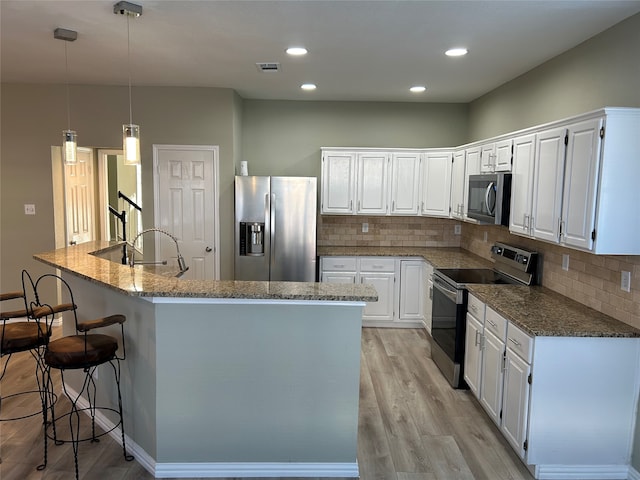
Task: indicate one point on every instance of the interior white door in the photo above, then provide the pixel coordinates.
(186, 205)
(80, 198)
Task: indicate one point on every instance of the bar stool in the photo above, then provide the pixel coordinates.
(25, 334)
(83, 351)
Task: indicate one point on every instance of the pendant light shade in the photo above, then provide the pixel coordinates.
(130, 131)
(131, 144)
(69, 137)
(70, 146)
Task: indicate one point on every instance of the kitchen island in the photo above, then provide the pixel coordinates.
(227, 378)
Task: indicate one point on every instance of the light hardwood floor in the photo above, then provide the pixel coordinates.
(413, 425)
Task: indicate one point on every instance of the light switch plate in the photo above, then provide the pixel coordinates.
(365, 227)
(29, 209)
(565, 261)
(457, 229)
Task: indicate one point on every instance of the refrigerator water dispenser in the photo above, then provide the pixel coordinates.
(252, 239)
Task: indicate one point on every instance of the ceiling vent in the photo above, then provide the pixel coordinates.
(269, 67)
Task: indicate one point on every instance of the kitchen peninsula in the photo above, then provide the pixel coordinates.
(227, 378)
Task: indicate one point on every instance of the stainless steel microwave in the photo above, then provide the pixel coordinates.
(489, 198)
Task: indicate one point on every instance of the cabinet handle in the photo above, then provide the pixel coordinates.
(393, 206)
(358, 205)
(339, 266)
(532, 225)
(431, 293)
(477, 340)
(492, 323)
(515, 342)
(473, 308)
(350, 204)
(422, 206)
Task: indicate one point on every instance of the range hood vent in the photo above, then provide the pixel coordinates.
(269, 67)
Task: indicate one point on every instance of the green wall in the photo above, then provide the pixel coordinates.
(284, 137)
(602, 71)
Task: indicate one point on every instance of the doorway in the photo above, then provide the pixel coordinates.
(186, 199)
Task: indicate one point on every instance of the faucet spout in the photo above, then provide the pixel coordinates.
(181, 263)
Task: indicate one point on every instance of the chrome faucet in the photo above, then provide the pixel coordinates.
(181, 263)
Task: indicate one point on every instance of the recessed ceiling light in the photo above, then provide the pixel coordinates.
(456, 52)
(418, 89)
(296, 51)
(308, 86)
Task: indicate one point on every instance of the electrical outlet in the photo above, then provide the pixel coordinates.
(457, 229)
(29, 209)
(486, 237)
(565, 261)
(365, 227)
(625, 281)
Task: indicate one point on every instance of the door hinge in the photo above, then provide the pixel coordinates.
(593, 235)
(566, 139)
(530, 379)
(525, 445)
(601, 132)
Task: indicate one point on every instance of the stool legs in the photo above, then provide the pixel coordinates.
(74, 417)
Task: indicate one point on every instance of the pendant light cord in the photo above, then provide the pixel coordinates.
(66, 65)
(129, 67)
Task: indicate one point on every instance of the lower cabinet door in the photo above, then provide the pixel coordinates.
(515, 402)
(338, 277)
(473, 355)
(492, 376)
(382, 310)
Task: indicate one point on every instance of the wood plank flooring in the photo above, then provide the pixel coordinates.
(412, 426)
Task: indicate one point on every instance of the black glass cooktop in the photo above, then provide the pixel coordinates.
(462, 276)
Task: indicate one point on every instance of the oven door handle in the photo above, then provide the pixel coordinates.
(442, 287)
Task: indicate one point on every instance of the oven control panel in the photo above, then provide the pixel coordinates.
(514, 256)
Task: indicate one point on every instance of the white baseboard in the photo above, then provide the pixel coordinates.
(633, 474)
(220, 469)
(582, 472)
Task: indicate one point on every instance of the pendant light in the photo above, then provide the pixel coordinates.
(69, 137)
(130, 131)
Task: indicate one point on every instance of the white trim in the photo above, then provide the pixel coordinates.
(219, 469)
(582, 472)
(216, 197)
(633, 474)
(250, 469)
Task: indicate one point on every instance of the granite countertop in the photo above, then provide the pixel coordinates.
(543, 312)
(154, 281)
(439, 257)
(537, 310)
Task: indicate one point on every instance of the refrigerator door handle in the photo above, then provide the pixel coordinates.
(272, 219)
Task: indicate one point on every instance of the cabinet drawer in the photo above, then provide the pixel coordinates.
(373, 264)
(520, 342)
(496, 323)
(476, 308)
(338, 264)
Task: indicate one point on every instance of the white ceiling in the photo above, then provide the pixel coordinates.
(358, 50)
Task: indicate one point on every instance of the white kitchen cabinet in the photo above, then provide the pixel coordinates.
(492, 375)
(504, 155)
(372, 183)
(524, 148)
(488, 158)
(412, 291)
(436, 184)
(381, 273)
(472, 167)
(338, 270)
(547, 184)
(473, 354)
(338, 183)
(405, 183)
(428, 306)
(515, 402)
(458, 184)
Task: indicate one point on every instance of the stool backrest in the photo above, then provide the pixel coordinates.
(45, 309)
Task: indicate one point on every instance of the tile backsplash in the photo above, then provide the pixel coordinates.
(593, 280)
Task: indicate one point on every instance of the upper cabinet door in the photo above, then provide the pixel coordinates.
(338, 182)
(405, 183)
(436, 184)
(547, 187)
(472, 167)
(488, 158)
(522, 184)
(504, 155)
(373, 184)
(457, 184)
(581, 176)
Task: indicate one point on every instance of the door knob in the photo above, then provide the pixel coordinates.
(208, 249)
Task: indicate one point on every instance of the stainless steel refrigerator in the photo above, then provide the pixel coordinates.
(275, 228)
